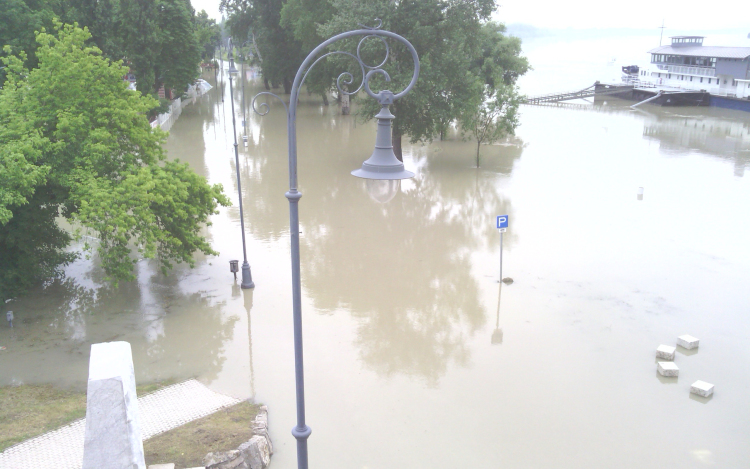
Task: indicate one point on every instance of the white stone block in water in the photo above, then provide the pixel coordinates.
(113, 427)
(687, 341)
(702, 388)
(665, 351)
(668, 369)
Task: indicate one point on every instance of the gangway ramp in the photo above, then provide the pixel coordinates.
(597, 89)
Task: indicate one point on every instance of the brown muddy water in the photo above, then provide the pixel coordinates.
(415, 357)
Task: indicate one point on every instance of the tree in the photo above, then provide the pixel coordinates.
(495, 118)
(19, 19)
(207, 35)
(179, 56)
(282, 53)
(75, 143)
(304, 18)
(101, 17)
(140, 38)
(451, 40)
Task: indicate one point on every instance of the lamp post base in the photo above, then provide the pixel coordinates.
(247, 277)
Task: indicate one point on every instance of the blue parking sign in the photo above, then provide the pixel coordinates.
(502, 221)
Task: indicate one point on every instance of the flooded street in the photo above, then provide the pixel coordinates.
(415, 356)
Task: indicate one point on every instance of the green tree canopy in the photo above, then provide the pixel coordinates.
(179, 59)
(459, 55)
(207, 35)
(75, 143)
(282, 53)
(140, 40)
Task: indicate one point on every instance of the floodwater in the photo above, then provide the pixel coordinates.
(415, 356)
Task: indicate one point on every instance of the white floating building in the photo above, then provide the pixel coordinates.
(688, 64)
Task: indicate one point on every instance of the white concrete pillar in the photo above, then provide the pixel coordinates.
(113, 428)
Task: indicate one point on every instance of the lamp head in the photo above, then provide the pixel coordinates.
(383, 163)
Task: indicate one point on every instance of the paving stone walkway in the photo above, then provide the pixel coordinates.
(160, 411)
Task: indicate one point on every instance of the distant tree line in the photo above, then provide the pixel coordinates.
(469, 65)
(161, 41)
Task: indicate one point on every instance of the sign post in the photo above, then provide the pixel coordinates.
(502, 227)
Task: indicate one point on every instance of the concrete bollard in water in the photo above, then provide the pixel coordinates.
(687, 341)
(113, 427)
(667, 369)
(665, 352)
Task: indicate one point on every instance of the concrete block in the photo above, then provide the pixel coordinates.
(162, 466)
(113, 428)
(668, 369)
(702, 388)
(665, 351)
(687, 341)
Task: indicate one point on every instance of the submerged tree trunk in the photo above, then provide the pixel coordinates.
(478, 145)
(287, 85)
(325, 99)
(345, 108)
(396, 135)
(267, 85)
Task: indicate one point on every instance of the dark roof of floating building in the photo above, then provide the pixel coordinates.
(704, 51)
(693, 46)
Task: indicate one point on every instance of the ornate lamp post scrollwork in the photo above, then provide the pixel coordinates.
(382, 165)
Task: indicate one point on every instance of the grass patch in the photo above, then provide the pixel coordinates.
(30, 410)
(187, 445)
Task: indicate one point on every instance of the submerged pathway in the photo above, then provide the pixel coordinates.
(160, 411)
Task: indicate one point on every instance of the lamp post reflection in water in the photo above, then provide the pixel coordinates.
(382, 164)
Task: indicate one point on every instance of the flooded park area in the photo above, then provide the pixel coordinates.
(415, 355)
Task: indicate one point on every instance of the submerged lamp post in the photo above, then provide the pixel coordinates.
(247, 278)
(383, 164)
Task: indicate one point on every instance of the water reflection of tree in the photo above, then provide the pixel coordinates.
(403, 269)
(67, 315)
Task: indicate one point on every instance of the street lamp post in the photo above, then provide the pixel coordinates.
(247, 278)
(244, 118)
(383, 164)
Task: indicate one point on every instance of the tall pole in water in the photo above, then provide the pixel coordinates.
(501, 257)
(662, 32)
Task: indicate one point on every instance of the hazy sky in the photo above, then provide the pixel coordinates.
(211, 7)
(583, 14)
(579, 14)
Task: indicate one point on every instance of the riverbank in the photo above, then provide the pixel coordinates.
(29, 411)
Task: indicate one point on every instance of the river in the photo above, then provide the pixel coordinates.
(415, 356)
